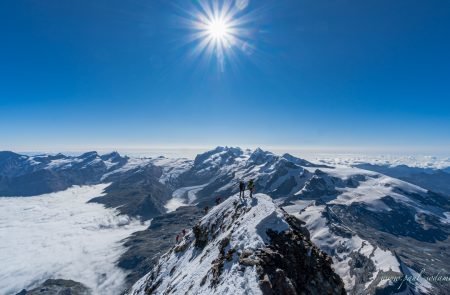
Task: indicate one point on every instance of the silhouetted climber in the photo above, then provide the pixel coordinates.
(218, 200)
(241, 189)
(183, 232)
(206, 209)
(177, 238)
(251, 187)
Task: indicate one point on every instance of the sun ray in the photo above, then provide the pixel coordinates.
(218, 29)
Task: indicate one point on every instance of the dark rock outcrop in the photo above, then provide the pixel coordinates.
(58, 287)
(291, 264)
(138, 193)
(201, 236)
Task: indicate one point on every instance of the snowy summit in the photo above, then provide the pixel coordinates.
(248, 246)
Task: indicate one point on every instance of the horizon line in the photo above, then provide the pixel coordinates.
(179, 148)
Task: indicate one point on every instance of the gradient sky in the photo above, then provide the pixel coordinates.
(339, 73)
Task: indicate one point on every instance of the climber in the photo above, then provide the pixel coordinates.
(218, 200)
(206, 209)
(183, 232)
(177, 238)
(251, 187)
(241, 189)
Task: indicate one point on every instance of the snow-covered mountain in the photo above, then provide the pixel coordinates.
(433, 179)
(22, 175)
(243, 247)
(372, 225)
(140, 186)
(221, 169)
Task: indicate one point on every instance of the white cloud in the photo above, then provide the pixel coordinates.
(420, 161)
(59, 235)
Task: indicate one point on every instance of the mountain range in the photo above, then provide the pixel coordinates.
(371, 221)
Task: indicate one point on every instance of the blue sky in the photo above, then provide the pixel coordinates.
(85, 74)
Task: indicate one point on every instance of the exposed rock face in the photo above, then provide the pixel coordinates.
(243, 247)
(201, 236)
(291, 264)
(137, 193)
(58, 287)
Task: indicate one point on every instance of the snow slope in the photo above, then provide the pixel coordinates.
(172, 167)
(340, 204)
(341, 247)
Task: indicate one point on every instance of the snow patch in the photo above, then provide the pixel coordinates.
(447, 218)
(183, 197)
(132, 163)
(172, 168)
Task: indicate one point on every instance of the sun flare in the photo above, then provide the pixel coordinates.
(218, 29)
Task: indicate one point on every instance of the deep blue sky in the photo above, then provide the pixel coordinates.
(338, 73)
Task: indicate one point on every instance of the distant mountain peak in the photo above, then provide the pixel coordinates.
(4, 154)
(113, 156)
(89, 155)
(223, 152)
(259, 156)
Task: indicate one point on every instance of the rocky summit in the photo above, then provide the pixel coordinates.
(243, 246)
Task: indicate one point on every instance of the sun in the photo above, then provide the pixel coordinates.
(218, 29)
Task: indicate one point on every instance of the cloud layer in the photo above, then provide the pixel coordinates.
(59, 235)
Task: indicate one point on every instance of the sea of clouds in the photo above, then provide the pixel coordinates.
(60, 235)
(419, 161)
